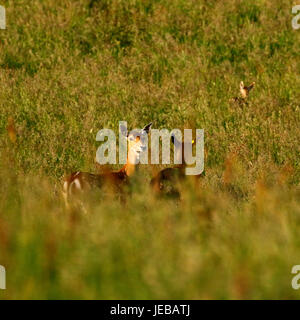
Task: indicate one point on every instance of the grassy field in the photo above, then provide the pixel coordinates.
(69, 68)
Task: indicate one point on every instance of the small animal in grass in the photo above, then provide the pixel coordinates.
(244, 93)
(244, 90)
(78, 182)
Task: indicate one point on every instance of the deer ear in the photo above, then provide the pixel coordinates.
(147, 127)
(172, 138)
(175, 141)
(123, 130)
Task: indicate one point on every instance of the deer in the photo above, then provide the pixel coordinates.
(172, 175)
(244, 90)
(244, 93)
(78, 182)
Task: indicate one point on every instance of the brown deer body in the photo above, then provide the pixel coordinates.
(171, 176)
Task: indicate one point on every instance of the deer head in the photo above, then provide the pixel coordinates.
(137, 142)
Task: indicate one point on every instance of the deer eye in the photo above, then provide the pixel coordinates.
(131, 138)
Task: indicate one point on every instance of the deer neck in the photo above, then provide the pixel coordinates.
(130, 165)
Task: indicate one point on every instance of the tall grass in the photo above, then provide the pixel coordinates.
(70, 68)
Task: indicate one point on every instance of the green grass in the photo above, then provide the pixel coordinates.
(70, 68)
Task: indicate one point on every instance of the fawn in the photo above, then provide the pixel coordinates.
(244, 90)
(79, 181)
(244, 93)
(171, 175)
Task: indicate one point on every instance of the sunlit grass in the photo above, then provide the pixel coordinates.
(70, 68)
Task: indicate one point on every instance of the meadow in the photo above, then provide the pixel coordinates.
(69, 68)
